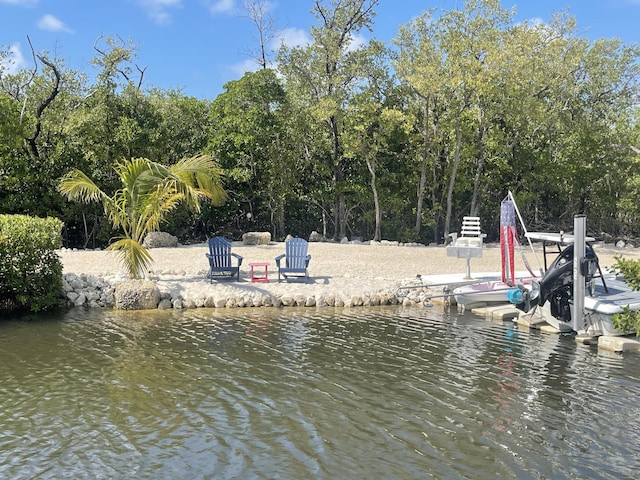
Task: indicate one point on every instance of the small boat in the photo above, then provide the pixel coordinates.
(574, 295)
(599, 306)
(480, 294)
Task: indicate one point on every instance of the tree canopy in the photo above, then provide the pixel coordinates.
(348, 137)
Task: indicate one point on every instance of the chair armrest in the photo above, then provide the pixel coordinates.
(278, 258)
(306, 260)
(238, 257)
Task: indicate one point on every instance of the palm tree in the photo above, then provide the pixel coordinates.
(150, 191)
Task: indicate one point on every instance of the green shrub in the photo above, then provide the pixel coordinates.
(30, 269)
(628, 321)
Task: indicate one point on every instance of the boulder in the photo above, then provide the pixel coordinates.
(256, 238)
(137, 295)
(315, 237)
(159, 240)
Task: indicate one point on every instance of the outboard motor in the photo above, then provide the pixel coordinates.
(556, 286)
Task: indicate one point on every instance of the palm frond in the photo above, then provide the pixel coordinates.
(199, 177)
(117, 209)
(76, 186)
(133, 257)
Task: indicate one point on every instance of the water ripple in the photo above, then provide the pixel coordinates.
(304, 393)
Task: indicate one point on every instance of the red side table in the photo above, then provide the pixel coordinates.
(259, 278)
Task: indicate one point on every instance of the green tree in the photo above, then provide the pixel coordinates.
(322, 75)
(373, 121)
(249, 135)
(150, 191)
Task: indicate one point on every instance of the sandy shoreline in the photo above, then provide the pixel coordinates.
(344, 269)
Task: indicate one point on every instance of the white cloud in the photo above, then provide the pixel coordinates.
(158, 10)
(356, 42)
(297, 37)
(52, 24)
(291, 37)
(248, 65)
(14, 62)
(222, 6)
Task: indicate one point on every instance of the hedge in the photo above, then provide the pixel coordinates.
(30, 269)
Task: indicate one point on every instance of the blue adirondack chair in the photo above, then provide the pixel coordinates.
(296, 260)
(221, 259)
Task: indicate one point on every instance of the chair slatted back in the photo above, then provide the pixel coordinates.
(296, 253)
(470, 227)
(220, 250)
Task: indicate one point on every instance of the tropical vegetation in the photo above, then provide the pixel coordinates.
(375, 140)
(150, 191)
(30, 270)
(629, 320)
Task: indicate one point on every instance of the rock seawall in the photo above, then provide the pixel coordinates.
(95, 292)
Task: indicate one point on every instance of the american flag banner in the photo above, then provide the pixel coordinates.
(508, 239)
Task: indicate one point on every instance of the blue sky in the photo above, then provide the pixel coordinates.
(199, 45)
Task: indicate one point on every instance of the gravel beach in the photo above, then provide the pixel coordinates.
(348, 270)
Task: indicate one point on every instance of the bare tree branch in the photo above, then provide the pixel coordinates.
(55, 89)
(28, 81)
(258, 14)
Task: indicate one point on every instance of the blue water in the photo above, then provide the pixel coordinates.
(381, 392)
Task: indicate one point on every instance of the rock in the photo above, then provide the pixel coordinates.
(344, 240)
(160, 239)
(137, 295)
(287, 301)
(165, 304)
(315, 237)
(620, 244)
(389, 243)
(256, 238)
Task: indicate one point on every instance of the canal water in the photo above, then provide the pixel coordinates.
(385, 392)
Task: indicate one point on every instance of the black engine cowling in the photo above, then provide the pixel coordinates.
(556, 286)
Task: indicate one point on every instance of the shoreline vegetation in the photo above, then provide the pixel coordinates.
(351, 274)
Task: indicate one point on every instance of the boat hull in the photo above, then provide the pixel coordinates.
(493, 292)
(599, 309)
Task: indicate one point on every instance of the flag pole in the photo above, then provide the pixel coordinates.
(524, 228)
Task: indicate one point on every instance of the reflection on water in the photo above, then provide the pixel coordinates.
(302, 393)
